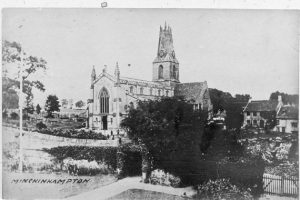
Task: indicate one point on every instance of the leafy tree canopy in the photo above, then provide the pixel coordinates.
(13, 57)
(233, 106)
(79, 104)
(170, 129)
(52, 104)
(286, 98)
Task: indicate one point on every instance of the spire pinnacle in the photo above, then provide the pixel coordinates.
(117, 74)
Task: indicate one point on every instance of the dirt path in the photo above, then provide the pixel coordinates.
(130, 183)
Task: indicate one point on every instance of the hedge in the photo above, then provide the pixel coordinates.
(72, 133)
(108, 155)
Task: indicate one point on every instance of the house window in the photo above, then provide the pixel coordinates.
(294, 124)
(277, 122)
(141, 90)
(254, 114)
(158, 92)
(150, 91)
(167, 93)
(283, 129)
(248, 113)
(160, 72)
(104, 101)
(254, 122)
(248, 122)
(131, 89)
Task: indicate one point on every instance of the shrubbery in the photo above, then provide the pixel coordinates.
(107, 155)
(84, 167)
(73, 133)
(221, 189)
(14, 115)
(41, 125)
(159, 177)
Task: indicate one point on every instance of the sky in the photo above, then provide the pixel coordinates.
(252, 52)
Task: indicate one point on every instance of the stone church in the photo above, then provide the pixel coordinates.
(112, 95)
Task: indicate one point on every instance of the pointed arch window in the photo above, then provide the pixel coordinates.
(131, 89)
(160, 72)
(104, 101)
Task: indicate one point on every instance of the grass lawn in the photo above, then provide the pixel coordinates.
(138, 194)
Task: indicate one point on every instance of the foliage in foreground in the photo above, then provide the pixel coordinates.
(172, 132)
(107, 155)
(72, 133)
(221, 189)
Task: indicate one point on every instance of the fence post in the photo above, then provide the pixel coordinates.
(282, 184)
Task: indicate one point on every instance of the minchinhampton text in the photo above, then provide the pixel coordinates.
(51, 181)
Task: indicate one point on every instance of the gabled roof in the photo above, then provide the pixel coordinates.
(262, 105)
(288, 112)
(191, 91)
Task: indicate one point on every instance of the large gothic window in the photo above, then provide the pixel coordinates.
(161, 72)
(104, 101)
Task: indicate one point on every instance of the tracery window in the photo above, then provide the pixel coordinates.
(104, 101)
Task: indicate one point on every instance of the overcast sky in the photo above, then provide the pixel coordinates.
(239, 51)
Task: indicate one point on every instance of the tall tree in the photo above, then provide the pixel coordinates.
(233, 106)
(64, 103)
(171, 130)
(79, 104)
(52, 104)
(13, 57)
(286, 98)
(38, 109)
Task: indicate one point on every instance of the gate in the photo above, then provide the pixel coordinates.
(281, 185)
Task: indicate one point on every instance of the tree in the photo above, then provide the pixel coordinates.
(171, 130)
(79, 104)
(64, 103)
(13, 56)
(286, 98)
(38, 109)
(52, 104)
(233, 106)
(218, 99)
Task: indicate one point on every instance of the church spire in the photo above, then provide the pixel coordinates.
(165, 64)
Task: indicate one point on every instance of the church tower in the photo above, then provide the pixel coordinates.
(165, 65)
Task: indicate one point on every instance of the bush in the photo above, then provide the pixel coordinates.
(107, 155)
(72, 133)
(159, 177)
(14, 115)
(221, 189)
(41, 125)
(84, 167)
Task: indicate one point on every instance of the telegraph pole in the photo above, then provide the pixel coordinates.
(21, 112)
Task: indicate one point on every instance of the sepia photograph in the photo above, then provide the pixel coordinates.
(136, 103)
